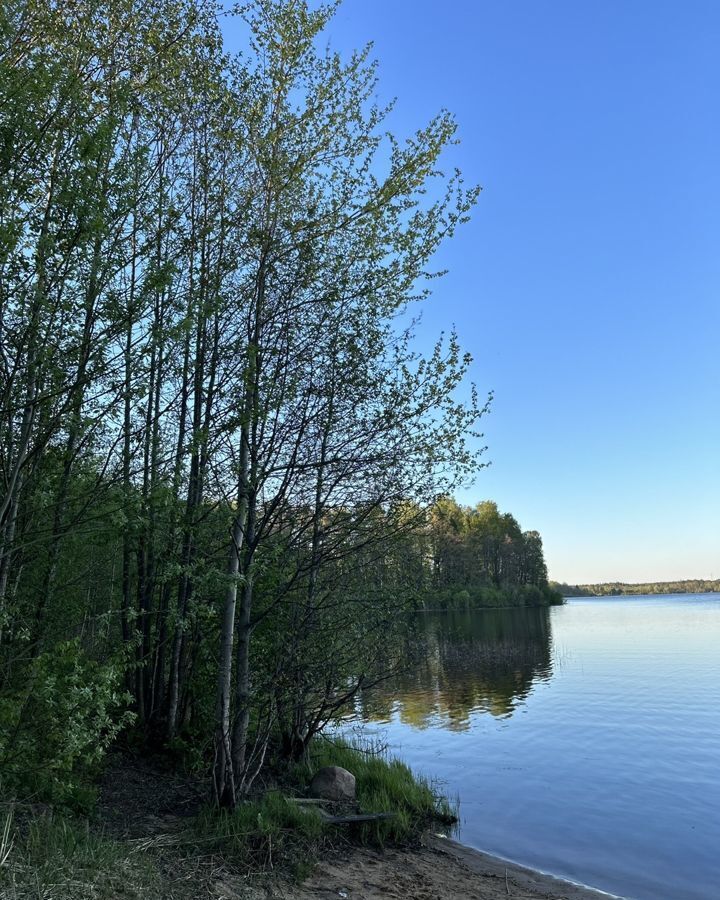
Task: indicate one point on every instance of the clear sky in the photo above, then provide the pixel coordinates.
(586, 286)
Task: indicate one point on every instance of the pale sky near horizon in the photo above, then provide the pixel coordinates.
(586, 285)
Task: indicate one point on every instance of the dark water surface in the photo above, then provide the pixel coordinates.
(582, 740)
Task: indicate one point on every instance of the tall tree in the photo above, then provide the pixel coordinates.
(337, 250)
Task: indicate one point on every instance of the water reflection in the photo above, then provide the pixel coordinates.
(462, 663)
(605, 774)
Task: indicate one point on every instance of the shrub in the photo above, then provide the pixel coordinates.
(54, 730)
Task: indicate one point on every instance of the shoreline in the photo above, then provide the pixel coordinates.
(544, 884)
(439, 869)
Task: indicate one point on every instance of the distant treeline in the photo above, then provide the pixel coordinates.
(617, 588)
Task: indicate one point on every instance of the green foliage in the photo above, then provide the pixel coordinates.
(273, 830)
(491, 597)
(555, 597)
(480, 557)
(55, 729)
(206, 266)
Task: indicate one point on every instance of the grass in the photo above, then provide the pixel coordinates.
(264, 835)
(383, 784)
(50, 856)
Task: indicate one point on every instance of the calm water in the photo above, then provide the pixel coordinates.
(582, 740)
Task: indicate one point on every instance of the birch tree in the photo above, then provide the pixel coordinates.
(341, 240)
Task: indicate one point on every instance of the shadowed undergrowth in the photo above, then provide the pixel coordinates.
(49, 856)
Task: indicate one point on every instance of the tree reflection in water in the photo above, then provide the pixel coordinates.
(455, 664)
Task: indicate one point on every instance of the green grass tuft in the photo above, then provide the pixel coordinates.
(272, 831)
(51, 856)
(263, 834)
(383, 784)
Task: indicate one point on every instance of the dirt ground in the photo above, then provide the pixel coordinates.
(441, 870)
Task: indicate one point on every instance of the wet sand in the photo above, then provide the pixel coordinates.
(440, 870)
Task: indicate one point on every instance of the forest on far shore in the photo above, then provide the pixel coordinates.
(619, 588)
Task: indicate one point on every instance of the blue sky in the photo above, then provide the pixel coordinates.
(586, 285)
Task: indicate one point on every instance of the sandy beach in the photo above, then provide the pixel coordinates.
(440, 870)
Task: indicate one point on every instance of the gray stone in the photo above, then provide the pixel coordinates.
(333, 783)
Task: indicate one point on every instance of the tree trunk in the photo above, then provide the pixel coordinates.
(223, 774)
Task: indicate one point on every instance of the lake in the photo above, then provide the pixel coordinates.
(583, 740)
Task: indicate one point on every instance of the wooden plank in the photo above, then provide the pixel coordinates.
(352, 820)
(349, 819)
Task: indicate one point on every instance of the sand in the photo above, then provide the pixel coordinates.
(440, 870)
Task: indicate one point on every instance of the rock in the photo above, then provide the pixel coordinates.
(333, 783)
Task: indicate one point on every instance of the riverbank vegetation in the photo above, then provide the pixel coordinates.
(224, 464)
(168, 843)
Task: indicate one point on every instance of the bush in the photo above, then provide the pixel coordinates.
(54, 730)
(554, 597)
(489, 596)
(461, 598)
